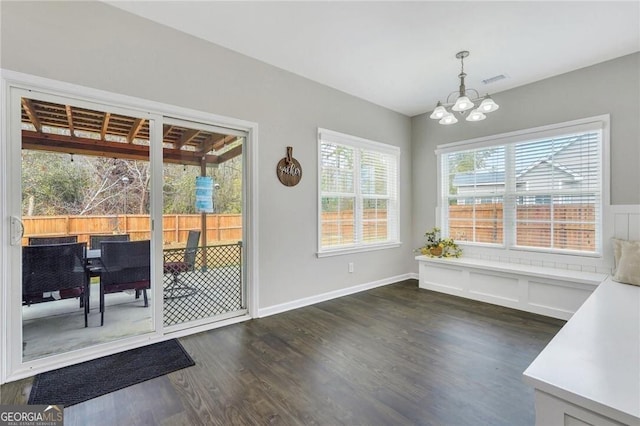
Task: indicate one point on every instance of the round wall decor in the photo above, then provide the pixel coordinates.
(289, 170)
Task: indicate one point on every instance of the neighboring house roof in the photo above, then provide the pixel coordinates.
(491, 177)
(574, 176)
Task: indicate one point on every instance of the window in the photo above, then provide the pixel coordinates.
(358, 195)
(538, 189)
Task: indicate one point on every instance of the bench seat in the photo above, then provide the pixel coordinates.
(543, 290)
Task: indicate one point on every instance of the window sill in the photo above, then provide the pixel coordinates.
(358, 249)
(523, 250)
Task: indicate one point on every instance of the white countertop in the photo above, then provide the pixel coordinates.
(594, 360)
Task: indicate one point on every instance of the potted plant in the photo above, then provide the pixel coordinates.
(439, 247)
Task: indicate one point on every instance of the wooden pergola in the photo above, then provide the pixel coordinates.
(53, 127)
(63, 128)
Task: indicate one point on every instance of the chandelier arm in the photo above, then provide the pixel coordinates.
(477, 98)
(449, 103)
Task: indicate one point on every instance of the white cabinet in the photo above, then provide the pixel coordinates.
(590, 371)
(553, 292)
(552, 411)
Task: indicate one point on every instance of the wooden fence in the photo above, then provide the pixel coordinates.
(533, 225)
(225, 228)
(338, 227)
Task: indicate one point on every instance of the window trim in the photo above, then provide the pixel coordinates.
(600, 122)
(356, 142)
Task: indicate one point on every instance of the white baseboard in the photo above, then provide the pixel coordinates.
(295, 304)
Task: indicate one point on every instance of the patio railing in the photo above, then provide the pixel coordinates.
(211, 286)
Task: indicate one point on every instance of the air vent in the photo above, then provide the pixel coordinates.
(494, 79)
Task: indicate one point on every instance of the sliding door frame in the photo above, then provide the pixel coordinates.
(11, 367)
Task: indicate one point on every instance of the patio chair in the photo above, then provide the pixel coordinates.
(95, 240)
(126, 265)
(176, 268)
(39, 241)
(53, 272)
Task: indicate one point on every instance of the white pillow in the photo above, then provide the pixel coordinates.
(617, 252)
(628, 264)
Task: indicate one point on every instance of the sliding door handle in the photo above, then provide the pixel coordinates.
(16, 231)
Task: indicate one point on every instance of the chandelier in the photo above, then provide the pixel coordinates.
(463, 102)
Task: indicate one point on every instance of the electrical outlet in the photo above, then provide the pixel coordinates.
(351, 267)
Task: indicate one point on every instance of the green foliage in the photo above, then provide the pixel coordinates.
(228, 196)
(464, 162)
(179, 189)
(448, 247)
(180, 186)
(53, 184)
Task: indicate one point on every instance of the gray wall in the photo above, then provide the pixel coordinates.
(611, 87)
(95, 45)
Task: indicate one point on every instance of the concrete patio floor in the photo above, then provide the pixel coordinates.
(58, 327)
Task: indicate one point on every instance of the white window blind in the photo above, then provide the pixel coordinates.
(358, 192)
(542, 193)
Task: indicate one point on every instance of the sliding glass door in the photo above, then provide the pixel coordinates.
(203, 191)
(123, 224)
(81, 225)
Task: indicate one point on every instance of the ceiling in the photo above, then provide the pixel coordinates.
(401, 55)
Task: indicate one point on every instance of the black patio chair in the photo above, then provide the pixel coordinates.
(178, 267)
(53, 272)
(39, 241)
(126, 265)
(95, 240)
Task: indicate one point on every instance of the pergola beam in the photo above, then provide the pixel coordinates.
(94, 147)
(69, 118)
(137, 125)
(215, 143)
(223, 142)
(186, 137)
(233, 152)
(31, 113)
(105, 125)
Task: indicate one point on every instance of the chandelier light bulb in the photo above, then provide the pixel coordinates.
(448, 119)
(476, 115)
(439, 112)
(488, 105)
(463, 103)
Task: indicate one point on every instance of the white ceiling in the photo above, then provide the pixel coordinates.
(401, 55)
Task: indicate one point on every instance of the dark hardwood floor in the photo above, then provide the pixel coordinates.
(394, 355)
